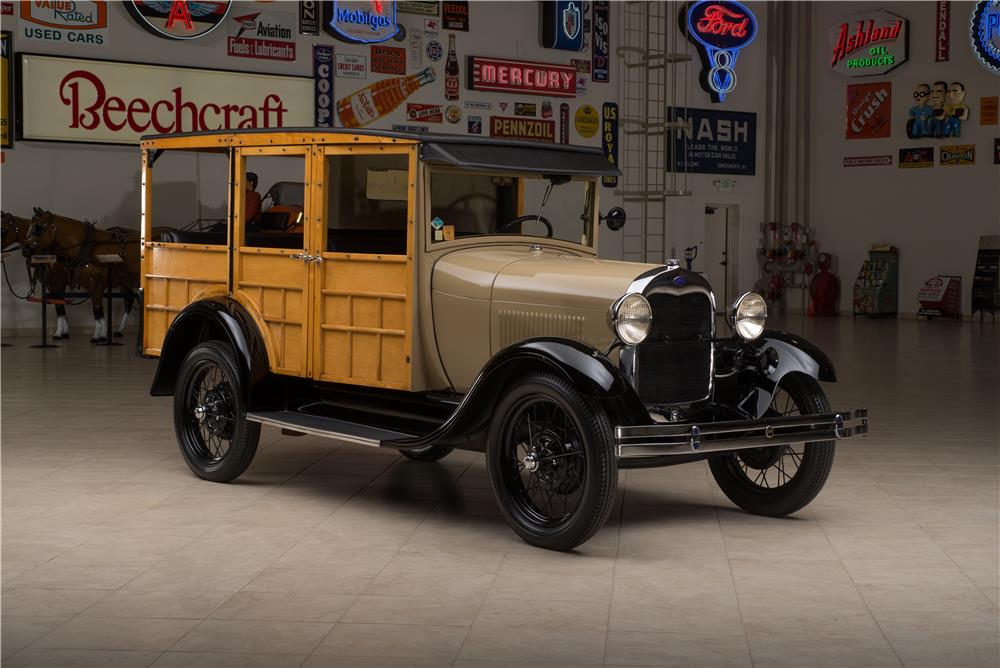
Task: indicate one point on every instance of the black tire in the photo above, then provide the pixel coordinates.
(745, 476)
(430, 453)
(566, 497)
(221, 444)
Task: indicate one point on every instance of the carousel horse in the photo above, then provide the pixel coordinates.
(76, 244)
(57, 278)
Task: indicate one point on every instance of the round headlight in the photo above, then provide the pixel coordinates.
(747, 315)
(632, 317)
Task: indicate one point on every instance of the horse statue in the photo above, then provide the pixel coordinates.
(76, 244)
(57, 278)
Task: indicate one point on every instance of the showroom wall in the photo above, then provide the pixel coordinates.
(934, 215)
(101, 182)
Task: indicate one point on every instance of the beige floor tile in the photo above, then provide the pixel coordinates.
(18, 632)
(49, 602)
(535, 645)
(138, 634)
(253, 637)
(423, 610)
(172, 603)
(225, 660)
(540, 613)
(288, 607)
(311, 580)
(409, 641)
(333, 661)
(69, 576)
(79, 658)
(422, 583)
(633, 648)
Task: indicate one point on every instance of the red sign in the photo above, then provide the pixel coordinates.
(532, 129)
(869, 110)
(867, 160)
(388, 59)
(424, 113)
(870, 43)
(521, 76)
(942, 32)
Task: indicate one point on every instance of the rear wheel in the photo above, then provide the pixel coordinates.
(217, 441)
(781, 479)
(551, 462)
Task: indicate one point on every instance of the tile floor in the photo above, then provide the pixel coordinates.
(327, 555)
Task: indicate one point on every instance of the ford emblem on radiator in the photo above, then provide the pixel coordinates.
(679, 281)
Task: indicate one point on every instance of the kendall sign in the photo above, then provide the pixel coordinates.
(360, 21)
(869, 43)
(79, 100)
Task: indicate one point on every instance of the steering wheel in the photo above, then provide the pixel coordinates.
(523, 219)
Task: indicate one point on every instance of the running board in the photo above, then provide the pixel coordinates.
(314, 425)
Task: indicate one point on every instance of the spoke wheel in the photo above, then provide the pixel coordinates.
(209, 414)
(782, 479)
(551, 462)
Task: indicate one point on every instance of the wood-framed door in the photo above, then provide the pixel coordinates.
(363, 288)
(271, 277)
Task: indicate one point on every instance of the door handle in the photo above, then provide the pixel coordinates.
(300, 256)
(318, 259)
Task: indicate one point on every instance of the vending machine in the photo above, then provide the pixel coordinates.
(876, 290)
(940, 297)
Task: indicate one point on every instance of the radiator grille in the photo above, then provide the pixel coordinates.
(674, 365)
(680, 317)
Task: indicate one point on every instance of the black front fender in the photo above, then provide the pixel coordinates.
(218, 318)
(795, 355)
(585, 368)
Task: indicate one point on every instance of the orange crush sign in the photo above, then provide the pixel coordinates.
(532, 129)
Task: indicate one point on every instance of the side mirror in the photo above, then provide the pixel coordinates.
(615, 220)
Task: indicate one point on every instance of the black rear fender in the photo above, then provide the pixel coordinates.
(218, 318)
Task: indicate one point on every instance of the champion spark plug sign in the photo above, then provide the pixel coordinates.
(720, 29)
(520, 76)
(103, 101)
(869, 43)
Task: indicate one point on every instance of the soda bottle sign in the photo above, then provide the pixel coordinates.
(451, 84)
(380, 98)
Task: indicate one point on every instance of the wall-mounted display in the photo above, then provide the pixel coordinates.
(178, 20)
(265, 35)
(364, 106)
(876, 290)
(453, 114)
(388, 59)
(475, 125)
(561, 24)
(521, 76)
(920, 123)
(867, 160)
(996, 151)
(988, 109)
(530, 129)
(525, 109)
(719, 142)
(323, 65)
(351, 66)
(81, 23)
(609, 139)
(452, 82)
(602, 41)
(455, 15)
(942, 32)
(918, 157)
(434, 50)
(586, 121)
(6, 90)
(424, 113)
(360, 21)
(963, 154)
(104, 101)
(938, 110)
(869, 110)
(309, 17)
(414, 7)
(869, 43)
(720, 29)
(564, 123)
(985, 33)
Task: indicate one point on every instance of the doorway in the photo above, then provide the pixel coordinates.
(722, 241)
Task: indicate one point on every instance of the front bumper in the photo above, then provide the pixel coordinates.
(686, 439)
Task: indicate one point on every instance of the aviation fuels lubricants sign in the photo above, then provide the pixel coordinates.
(869, 43)
(264, 35)
(74, 99)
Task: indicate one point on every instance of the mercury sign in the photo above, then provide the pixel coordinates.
(720, 29)
(869, 43)
(360, 21)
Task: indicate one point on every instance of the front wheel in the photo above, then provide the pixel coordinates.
(217, 441)
(782, 479)
(551, 462)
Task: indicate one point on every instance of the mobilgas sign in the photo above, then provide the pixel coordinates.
(719, 142)
(360, 21)
(869, 43)
(562, 24)
(986, 33)
(720, 29)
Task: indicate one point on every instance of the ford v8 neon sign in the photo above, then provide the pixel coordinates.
(720, 29)
(360, 21)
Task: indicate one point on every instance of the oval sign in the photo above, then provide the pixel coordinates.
(178, 19)
(721, 24)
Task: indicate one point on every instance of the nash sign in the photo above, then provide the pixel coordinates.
(74, 99)
(870, 43)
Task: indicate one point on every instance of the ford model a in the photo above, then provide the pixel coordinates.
(444, 292)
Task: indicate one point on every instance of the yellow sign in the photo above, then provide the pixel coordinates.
(586, 121)
(988, 110)
(6, 117)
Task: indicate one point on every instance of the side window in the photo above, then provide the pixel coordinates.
(274, 201)
(470, 204)
(189, 197)
(366, 203)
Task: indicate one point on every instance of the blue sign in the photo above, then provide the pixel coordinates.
(609, 140)
(602, 36)
(719, 28)
(360, 21)
(562, 24)
(718, 142)
(323, 85)
(986, 33)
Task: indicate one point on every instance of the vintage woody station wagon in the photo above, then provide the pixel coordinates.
(426, 293)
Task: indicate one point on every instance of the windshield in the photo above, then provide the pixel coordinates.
(465, 205)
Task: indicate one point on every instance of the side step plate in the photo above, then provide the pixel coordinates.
(314, 425)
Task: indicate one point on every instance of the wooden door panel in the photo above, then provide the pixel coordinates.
(273, 285)
(176, 275)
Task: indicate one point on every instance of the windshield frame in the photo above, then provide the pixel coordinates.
(429, 245)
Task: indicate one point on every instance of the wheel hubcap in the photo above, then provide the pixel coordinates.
(531, 462)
